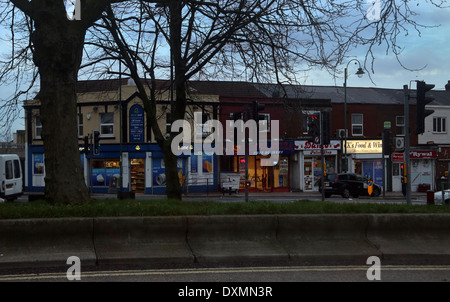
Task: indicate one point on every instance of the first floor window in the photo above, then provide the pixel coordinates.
(80, 125)
(37, 127)
(107, 124)
(357, 124)
(439, 125)
(201, 130)
(265, 121)
(400, 124)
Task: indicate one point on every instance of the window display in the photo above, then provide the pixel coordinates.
(137, 168)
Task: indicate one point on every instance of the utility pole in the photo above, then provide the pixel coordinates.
(246, 117)
(91, 155)
(407, 160)
(322, 157)
(383, 139)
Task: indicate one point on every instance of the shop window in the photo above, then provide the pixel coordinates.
(370, 168)
(357, 124)
(107, 124)
(138, 175)
(98, 164)
(38, 164)
(281, 172)
(159, 175)
(104, 170)
(439, 124)
(395, 169)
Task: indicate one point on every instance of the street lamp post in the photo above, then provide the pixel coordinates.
(359, 73)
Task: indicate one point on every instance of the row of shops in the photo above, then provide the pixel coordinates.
(298, 167)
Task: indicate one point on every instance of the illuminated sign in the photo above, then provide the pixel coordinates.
(306, 145)
(364, 146)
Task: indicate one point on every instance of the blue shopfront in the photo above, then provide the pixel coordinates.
(366, 158)
(143, 169)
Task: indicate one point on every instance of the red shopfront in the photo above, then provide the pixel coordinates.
(309, 163)
(263, 177)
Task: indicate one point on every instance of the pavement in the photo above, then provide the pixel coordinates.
(415, 196)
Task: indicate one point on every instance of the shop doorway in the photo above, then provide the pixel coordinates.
(396, 177)
(264, 177)
(137, 169)
(267, 179)
(308, 179)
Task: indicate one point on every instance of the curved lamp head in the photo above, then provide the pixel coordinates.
(360, 72)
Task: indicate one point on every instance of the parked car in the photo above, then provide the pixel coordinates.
(348, 184)
(438, 197)
(11, 183)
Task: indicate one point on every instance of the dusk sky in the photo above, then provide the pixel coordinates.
(428, 53)
(430, 50)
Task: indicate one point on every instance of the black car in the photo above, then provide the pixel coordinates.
(348, 184)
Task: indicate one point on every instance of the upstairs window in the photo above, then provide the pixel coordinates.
(37, 127)
(265, 121)
(80, 125)
(107, 124)
(439, 125)
(357, 124)
(400, 124)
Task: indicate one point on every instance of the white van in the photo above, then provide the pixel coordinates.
(11, 182)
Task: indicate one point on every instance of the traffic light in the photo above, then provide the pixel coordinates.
(422, 100)
(248, 183)
(314, 128)
(404, 177)
(86, 144)
(256, 108)
(96, 142)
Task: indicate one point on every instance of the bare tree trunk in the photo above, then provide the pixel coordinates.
(58, 45)
(179, 85)
(173, 187)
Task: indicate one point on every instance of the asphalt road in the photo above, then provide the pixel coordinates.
(268, 275)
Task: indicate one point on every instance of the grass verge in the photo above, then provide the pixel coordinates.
(116, 208)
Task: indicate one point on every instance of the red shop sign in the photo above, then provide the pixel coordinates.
(398, 157)
(423, 154)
